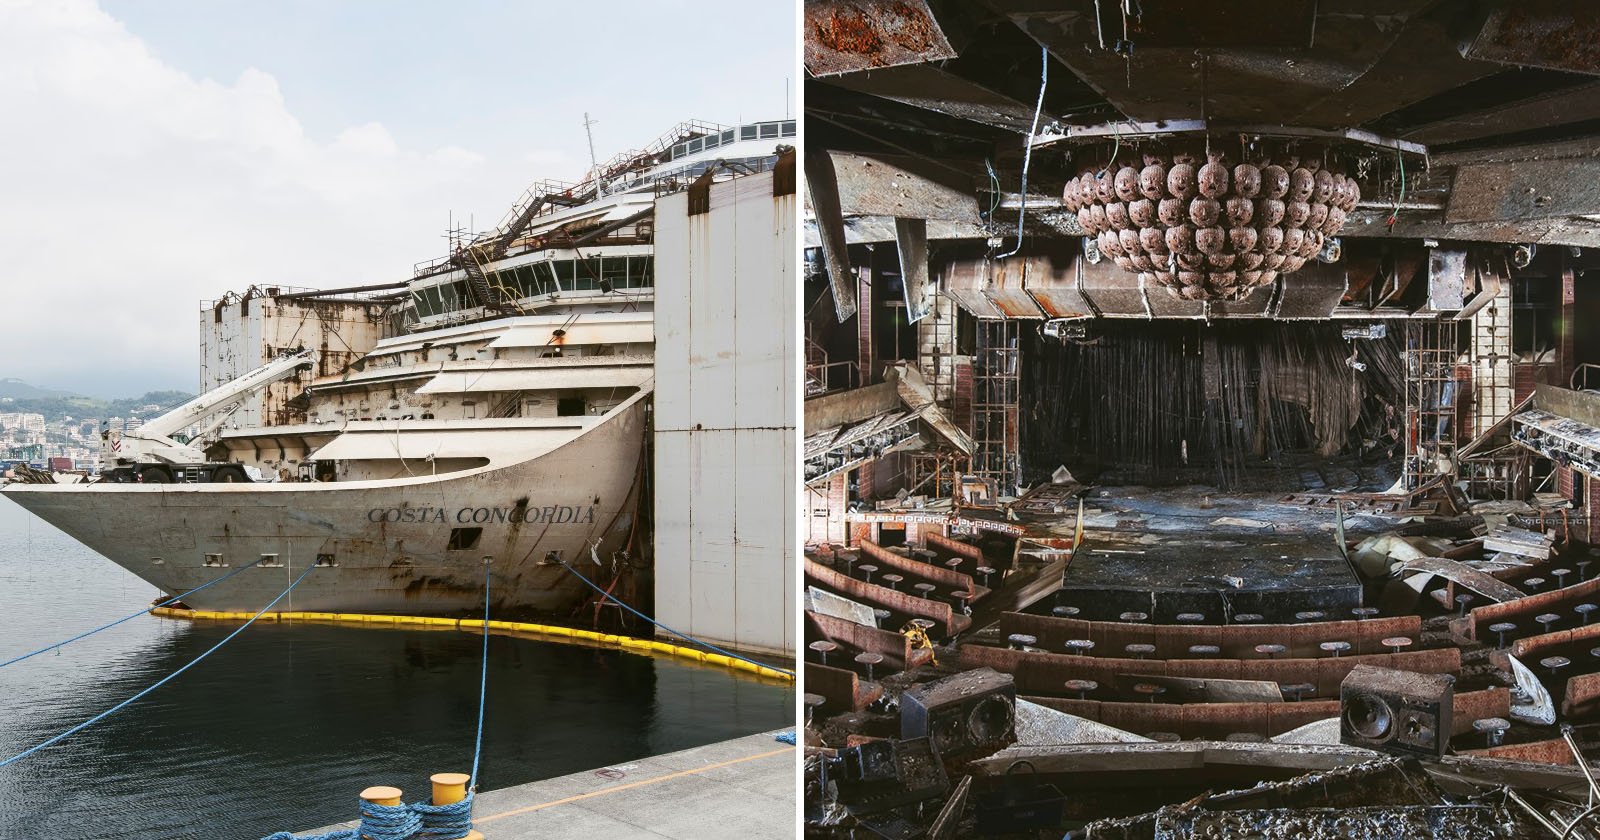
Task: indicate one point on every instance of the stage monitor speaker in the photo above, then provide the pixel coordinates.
(1397, 712)
(968, 715)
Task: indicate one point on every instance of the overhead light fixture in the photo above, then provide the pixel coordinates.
(1212, 230)
(1210, 211)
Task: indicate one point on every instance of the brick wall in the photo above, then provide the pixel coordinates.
(825, 511)
(962, 403)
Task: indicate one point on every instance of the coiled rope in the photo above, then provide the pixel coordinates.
(613, 599)
(421, 820)
(378, 822)
(163, 681)
(129, 617)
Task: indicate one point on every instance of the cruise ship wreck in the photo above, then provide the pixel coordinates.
(1202, 420)
(493, 407)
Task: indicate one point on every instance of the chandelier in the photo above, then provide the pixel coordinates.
(1205, 227)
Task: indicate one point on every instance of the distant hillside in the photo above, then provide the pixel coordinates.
(17, 389)
(56, 405)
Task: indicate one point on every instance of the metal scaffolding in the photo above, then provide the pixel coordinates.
(996, 388)
(936, 347)
(1431, 388)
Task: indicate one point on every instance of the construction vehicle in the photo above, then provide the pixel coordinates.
(159, 452)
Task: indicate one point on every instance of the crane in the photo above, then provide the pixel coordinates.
(151, 454)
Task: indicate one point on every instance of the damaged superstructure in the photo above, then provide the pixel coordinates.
(1214, 375)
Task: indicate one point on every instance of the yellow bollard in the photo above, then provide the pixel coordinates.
(381, 795)
(450, 788)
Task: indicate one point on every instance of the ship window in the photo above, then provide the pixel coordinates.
(712, 141)
(586, 274)
(614, 270)
(678, 150)
(564, 273)
(464, 539)
(747, 132)
(215, 561)
(788, 128)
(570, 407)
(769, 130)
(327, 561)
(640, 273)
(269, 561)
(727, 137)
(545, 277)
(696, 145)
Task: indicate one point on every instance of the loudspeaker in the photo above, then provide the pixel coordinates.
(883, 774)
(1397, 712)
(969, 715)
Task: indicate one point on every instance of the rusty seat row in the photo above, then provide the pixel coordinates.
(1235, 641)
(1218, 721)
(1048, 673)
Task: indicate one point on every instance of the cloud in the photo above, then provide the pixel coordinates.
(131, 191)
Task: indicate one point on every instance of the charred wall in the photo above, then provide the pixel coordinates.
(1168, 402)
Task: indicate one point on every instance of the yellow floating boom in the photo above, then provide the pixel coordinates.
(555, 632)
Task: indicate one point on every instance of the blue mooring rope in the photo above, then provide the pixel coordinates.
(483, 688)
(128, 617)
(608, 596)
(421, 820)
(400, 822)
(163, 681)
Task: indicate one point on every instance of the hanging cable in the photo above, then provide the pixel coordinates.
(163, 681)
(129, 617)
(596, 587)
(1027, 149)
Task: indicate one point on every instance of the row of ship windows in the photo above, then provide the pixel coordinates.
(754, 131)
(267, 561)
(461, 539)
(542, 278)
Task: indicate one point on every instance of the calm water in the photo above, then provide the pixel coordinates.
(282, 727)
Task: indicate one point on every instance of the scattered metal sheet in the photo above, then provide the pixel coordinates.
(1530, 702)
(1565, 441)
(1247, 24)
(1113, 292)
(1447, 279)
(1539, 109)
(823, 185)
(823, 602)
(1519, 541)
(936, 89)
(1442, 822)
(911, 241)
(944, 826)
(1485, 585)
(1312, 292)
(1502, 192)
(967, 283)
(847, 36)
(904, 187)
(1553, 34)
(1207, 690)
(918, 396)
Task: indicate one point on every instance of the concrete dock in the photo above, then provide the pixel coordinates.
(743, 788)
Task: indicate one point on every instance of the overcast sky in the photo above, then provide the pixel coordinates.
(158, 153)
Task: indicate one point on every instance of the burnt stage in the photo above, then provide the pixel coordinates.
(1196, 551)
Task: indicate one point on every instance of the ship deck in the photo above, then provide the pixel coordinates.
(740, 788)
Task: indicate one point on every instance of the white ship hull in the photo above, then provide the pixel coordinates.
(390, 539)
